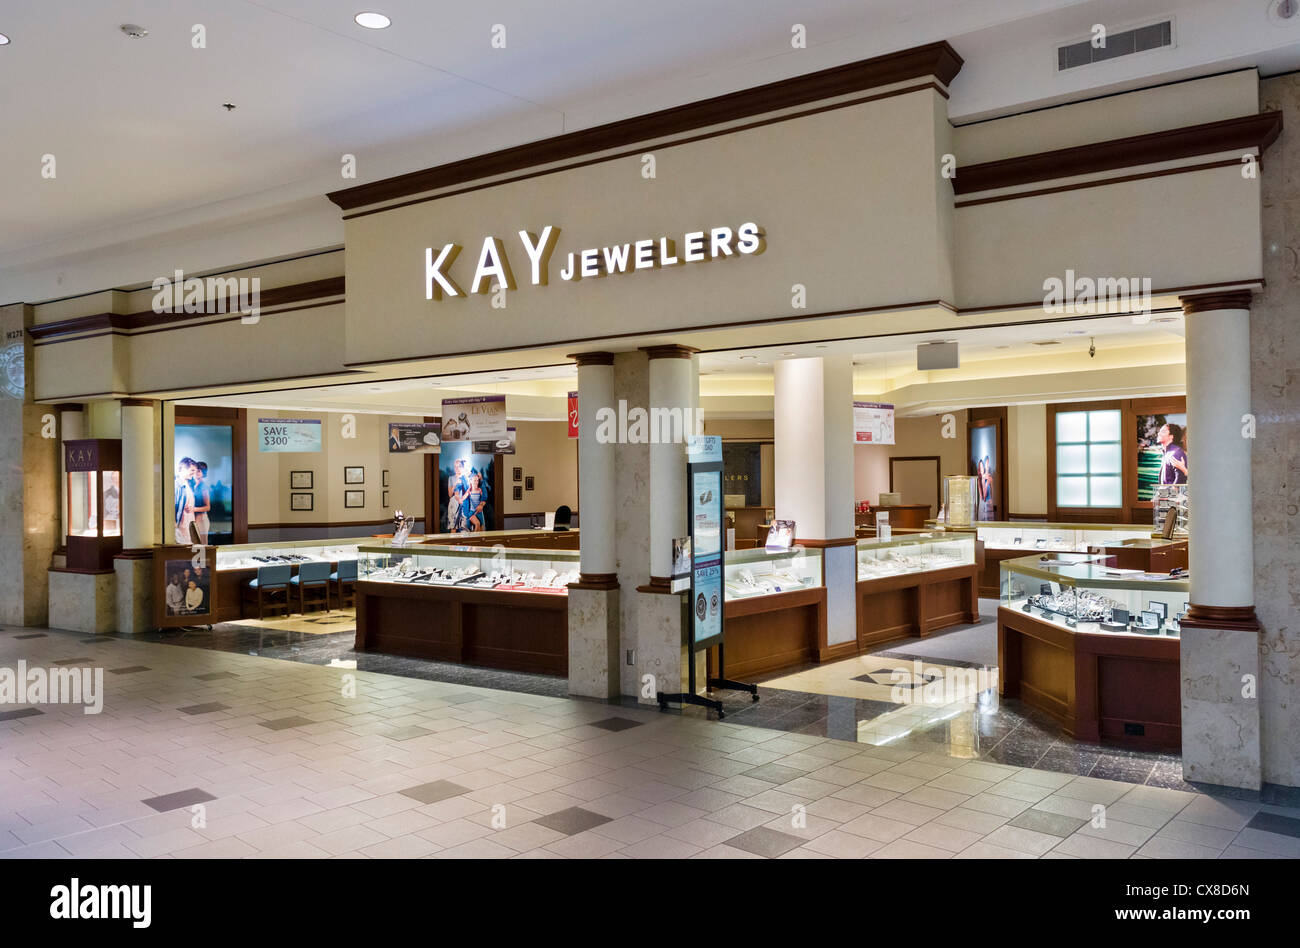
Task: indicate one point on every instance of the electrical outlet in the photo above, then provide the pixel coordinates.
(631, 656)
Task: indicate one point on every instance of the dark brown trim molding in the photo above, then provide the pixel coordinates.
(938, 60)
(670, 351)
(823, 544)
(658, 585)
(593, 358)
(138, 403)
(1249, 131)
(69, 406)
(604, 581)
(1207, 302)
(128, 322)
(1220, 617)
(141, 553)
(1078, 185)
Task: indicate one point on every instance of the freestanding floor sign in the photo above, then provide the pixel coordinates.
(702, 607)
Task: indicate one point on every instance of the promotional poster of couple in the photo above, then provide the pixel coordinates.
(204, 508)
(466, 482)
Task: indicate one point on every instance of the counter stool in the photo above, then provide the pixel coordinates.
(313, 577)
(346, 576)
(270, 582)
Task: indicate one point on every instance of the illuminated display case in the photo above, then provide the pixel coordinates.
(293, 552)
(914, 553)
(467, 567)
(748, 574)
(1083, 594)
(94, 502)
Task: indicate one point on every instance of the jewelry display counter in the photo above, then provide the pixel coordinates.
(1093, 645)
(914, 584)
(502, 608)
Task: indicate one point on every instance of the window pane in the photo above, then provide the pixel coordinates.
(1072, 491)
(1103, 459)
(1103, 425)
(1072, 426)
(1072, 459)
(1105, 491)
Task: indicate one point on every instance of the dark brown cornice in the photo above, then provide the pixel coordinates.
(670, 351)
(1238, 134)
(127, 322)
(1206, 302)
(592, 358)
(938, 60)
(138, 403)
(599, 581)
(1220, 618)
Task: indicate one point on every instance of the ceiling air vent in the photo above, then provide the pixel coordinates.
(1046, 342)
(1126, 43)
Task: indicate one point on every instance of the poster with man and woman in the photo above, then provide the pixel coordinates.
(204, 505)
(465, 489)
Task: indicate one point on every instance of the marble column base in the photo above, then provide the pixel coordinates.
(134, 595)
(83, 602)
(659, 645)
(594, 642)
(1221, 727)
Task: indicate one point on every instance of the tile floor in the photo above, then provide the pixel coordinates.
(204, 753)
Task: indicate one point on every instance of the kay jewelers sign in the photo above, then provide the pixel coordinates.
(494, 268)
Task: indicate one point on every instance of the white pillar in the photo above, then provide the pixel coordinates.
(72, 427)
(1219, 641)
(673, 395)
(138, 500)
(596, 499)
(813, 428)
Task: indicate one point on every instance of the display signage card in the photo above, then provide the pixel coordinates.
(79, 456)
(704, 476)
(873, 423)
(780, 536)
(478, 418)
(414, 437)
(573, 414)
(288, 435)
(504, 445)
(882, 525)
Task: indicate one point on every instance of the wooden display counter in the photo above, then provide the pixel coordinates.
(910, 516)
(767, 633)
(916, 604)
(519, 631)
(1121, 689)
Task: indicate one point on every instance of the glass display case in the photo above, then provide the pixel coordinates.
(1082, 593)
(511, 570)
(959, 499)
(1055, 537)
(758, 572)
(94, 502)
(914, 553)
(1170, 500)
(253, 555)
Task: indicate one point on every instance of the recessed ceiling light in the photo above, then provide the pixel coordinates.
(787, 353)
(746, 357)
(373, 21)
(4, 40)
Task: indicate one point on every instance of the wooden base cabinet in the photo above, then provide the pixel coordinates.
(764, 634)
(916, 604)
(1122, 689)
(519, 631)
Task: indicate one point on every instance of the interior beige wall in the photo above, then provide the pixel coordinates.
(268, 473)
(1027, 459)
(918, 436)
(544, 450)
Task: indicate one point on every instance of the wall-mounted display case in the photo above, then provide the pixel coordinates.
(1094, 646)
(914, 553)
(506, 570)
(94, 502)
(757, 572)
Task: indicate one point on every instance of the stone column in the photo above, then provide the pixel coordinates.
(674, 395)
(594, 600)
(1219, 649)
(29, 473)
(134, 565)
(813, 428)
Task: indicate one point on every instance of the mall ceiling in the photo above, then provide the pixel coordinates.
(152, 172)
